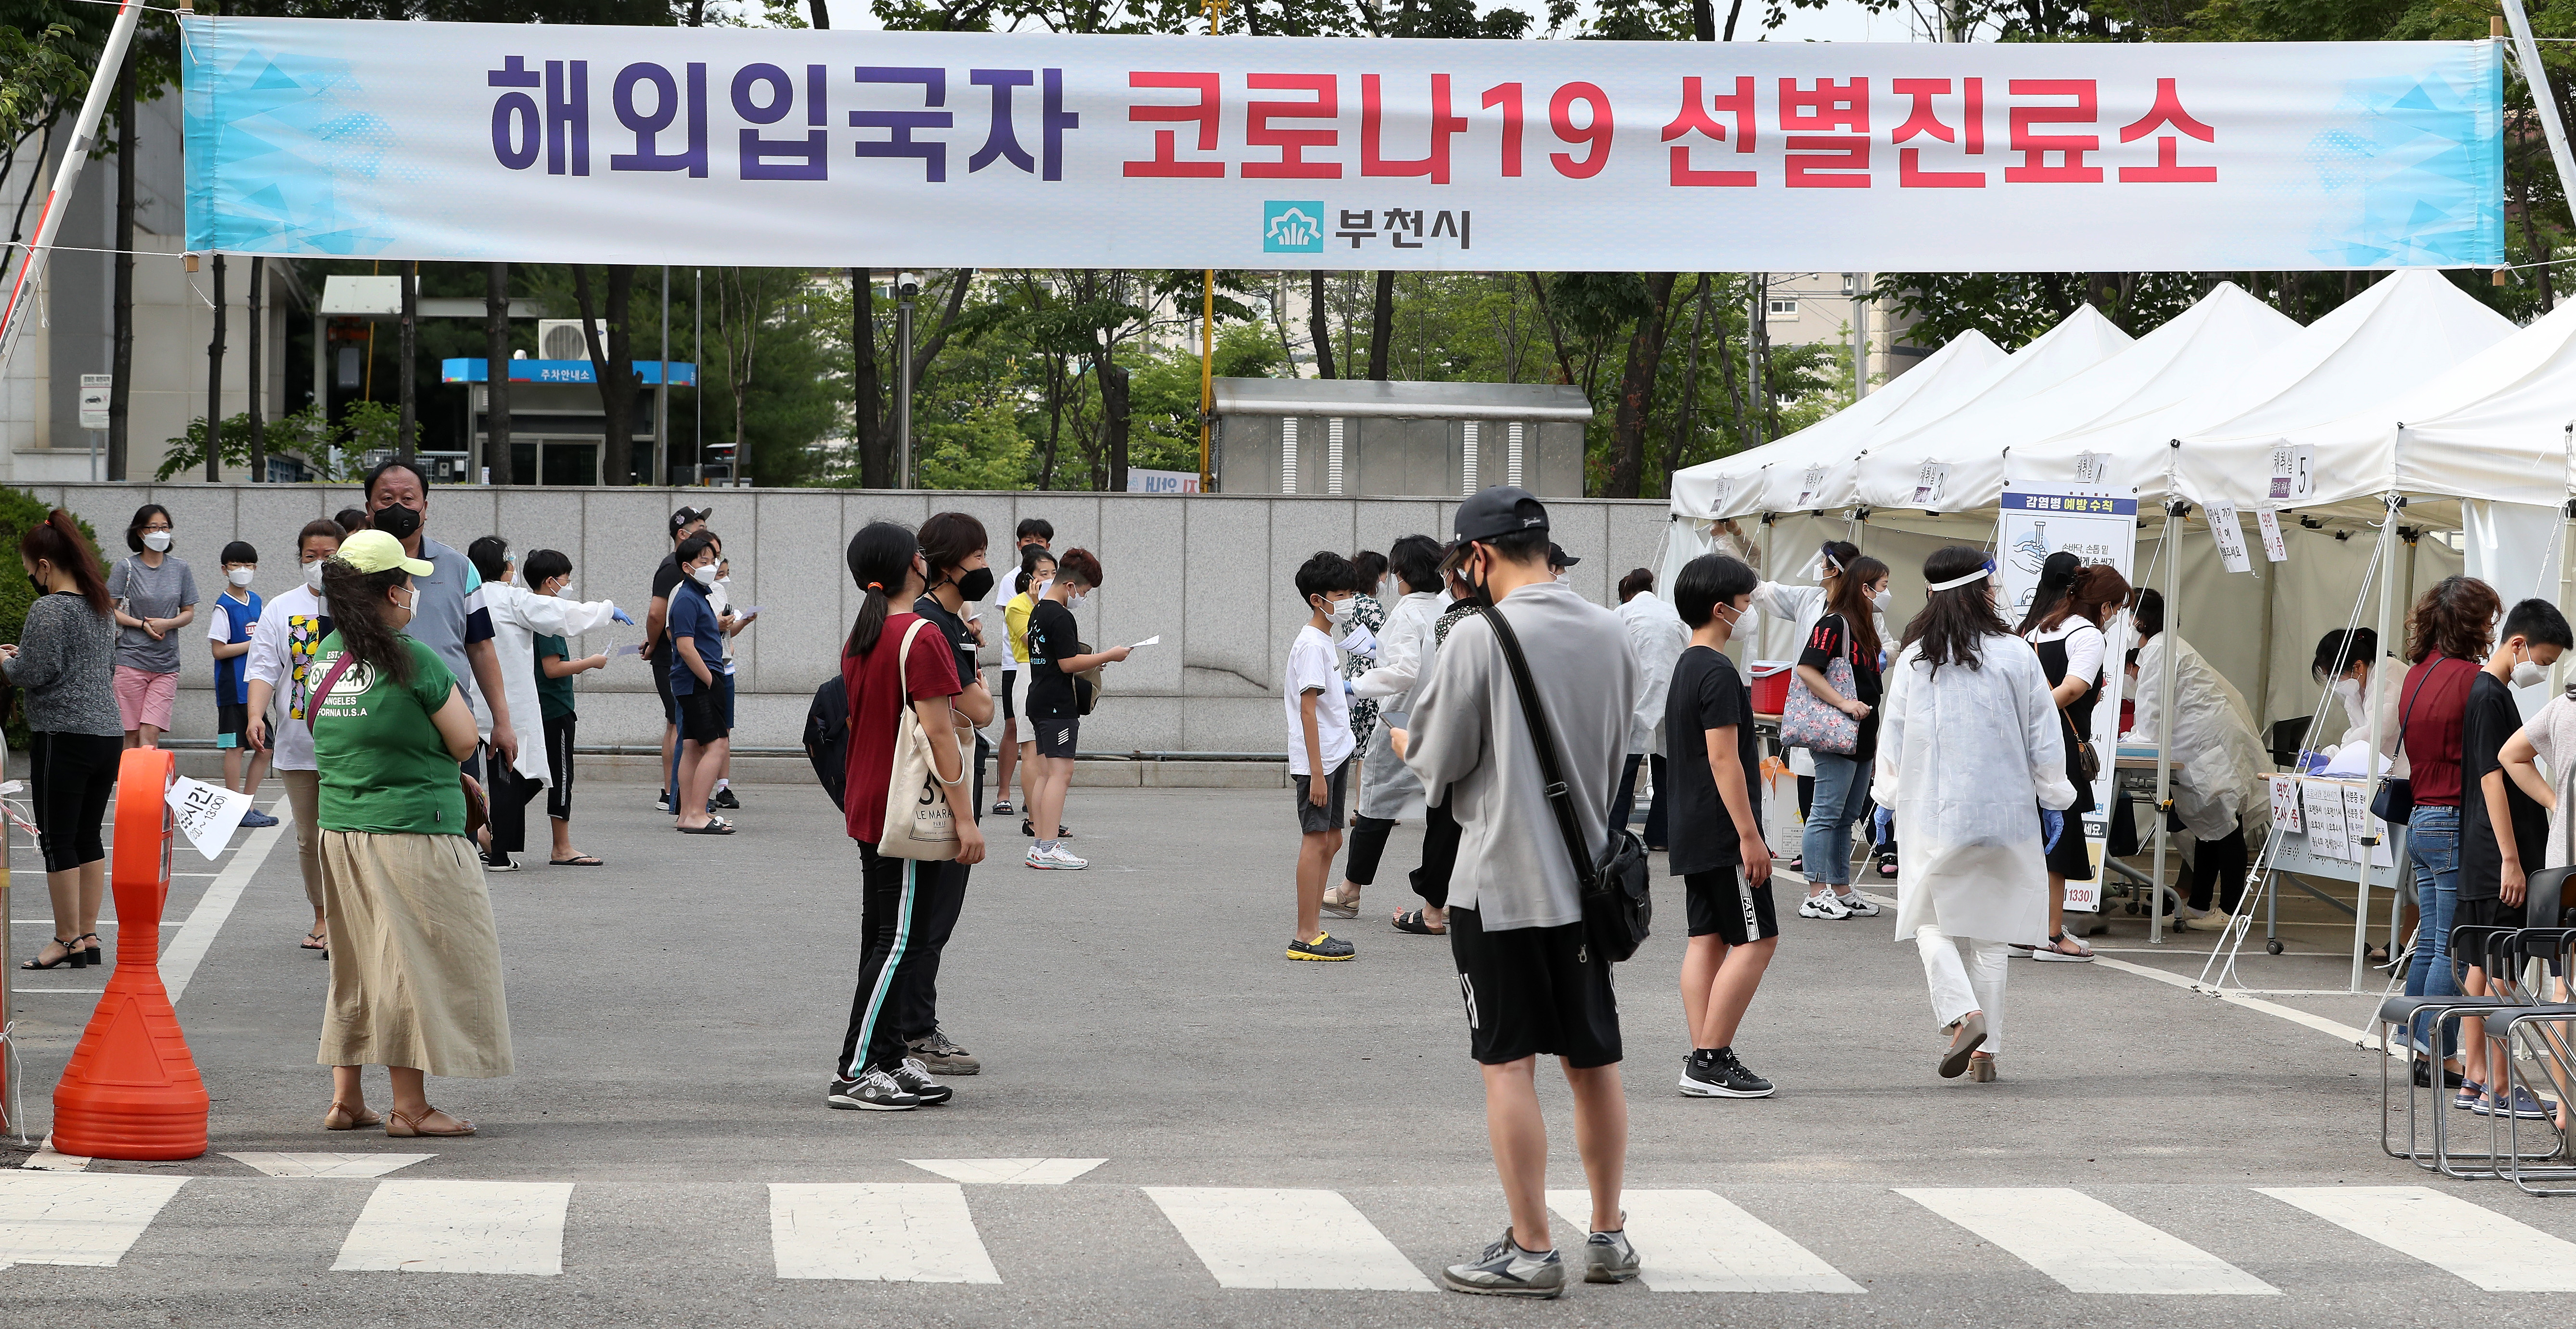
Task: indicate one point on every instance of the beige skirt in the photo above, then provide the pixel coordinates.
(415, 961)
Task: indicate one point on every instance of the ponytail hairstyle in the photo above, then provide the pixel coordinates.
(58, 540)
(1850, 598)
(2055, 575)
(358, 615)
(2097, 590)
(1030, 557)
(1835, 558)
(1955, 622)
(880, 557)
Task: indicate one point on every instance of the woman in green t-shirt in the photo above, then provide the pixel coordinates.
(415, 961)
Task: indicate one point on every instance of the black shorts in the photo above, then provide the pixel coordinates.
(1054, 735)
(232, 724)
(661, 669)
(1312, 820)
(2073, 856)
(702, 717)
(1010, 686)
(2490, 912)
(1534, 991)
(1723, 904)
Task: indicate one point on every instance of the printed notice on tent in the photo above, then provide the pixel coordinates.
(2327, 834)
(1811, 482)
(2358, 821)
(206, 813)
(2294, 475)
(2270, 523)
(1929, 480)
(2285, 805)
(2230, 535)
(2090, 468)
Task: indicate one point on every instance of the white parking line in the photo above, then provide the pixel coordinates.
(1253, 1238)
(881, 1232)
(1698, 1241)
(2486, 1248)
(2087, 1245)
(59, 1218)
(460, 1227)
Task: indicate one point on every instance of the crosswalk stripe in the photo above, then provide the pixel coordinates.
(328, 1165)
(1698, 1241)
(460, 1227)
(2486, 1248)
(1285, 1239)
(887, 1232)
(76, 1218)
(1009, 1171)
(2087, 1245)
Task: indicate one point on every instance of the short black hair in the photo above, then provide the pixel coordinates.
(2537, 621)
(544, 565)
(352, 520)
(1369, 567)
(2338, 651)
(1324, 573)
(1037, 526)
(1520, 546)
(1416, 560)
(397, 464)
(1708, 581)
(239, 551)
(1636, 583)
(134, 528)
(490, 556)
(698, 544)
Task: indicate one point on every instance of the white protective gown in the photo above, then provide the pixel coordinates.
(1657, 637)
(519, 617)
(1967, 758)
(2218, 762)
(2392, 715)
(1389, 790)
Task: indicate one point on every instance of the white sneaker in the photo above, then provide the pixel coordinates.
(1856, 907)
(1823, 906)
(1057, 859)
(2207, 920)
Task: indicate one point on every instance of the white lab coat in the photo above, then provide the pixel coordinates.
(1967, 758)
(2218, 762)
(1657, 638)
(519, 617)
(2389, 673)
(1389, 790)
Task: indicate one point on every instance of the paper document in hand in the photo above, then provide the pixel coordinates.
(1360, 642)
(629, 649)
(1149, 641)
(207, 813)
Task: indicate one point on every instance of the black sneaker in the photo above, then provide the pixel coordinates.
(662, 801)
(725, 799)
(914, 1079)
(1717, 1074)
(1062, 831)
(874, 1091)
(2451, 1079)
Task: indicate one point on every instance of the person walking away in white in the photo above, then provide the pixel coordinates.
(291, 627)
(1388, 791)
(1320, 744)
(1718, 850)
(1971, 750)
(1657, 636)
(2550, 737)
(1531, 982)
(519, 617)
(2218, 763)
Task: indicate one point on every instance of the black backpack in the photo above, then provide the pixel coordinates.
(827, 736)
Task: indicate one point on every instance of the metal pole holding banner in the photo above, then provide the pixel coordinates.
(2526, 53)
(2165, 708)
(102, 87)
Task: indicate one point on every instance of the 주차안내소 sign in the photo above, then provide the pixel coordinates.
(573, 143)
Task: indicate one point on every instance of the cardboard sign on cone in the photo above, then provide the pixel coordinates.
(132, 1090)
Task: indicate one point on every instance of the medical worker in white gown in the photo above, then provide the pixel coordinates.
(1969, 756)
(2218, 764)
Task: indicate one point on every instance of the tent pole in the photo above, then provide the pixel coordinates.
(2263, 665)
(2172, 555)
(2378, 680)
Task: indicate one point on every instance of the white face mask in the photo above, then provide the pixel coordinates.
(241, 576)
(1563, 579)
(1075, 601)
(1339, 611)
(1881, 601)
(313, 575)
(156, 541)
(705, 574)
(2349, 689)
(2529, 674)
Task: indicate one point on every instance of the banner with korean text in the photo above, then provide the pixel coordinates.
(800, 148)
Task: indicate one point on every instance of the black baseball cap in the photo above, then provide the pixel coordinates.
(686, 515)
(1502, 510)
(1557, 556)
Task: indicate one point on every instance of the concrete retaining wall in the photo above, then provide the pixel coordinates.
(1209, 573)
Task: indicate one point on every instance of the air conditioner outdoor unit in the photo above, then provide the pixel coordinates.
(561, 339)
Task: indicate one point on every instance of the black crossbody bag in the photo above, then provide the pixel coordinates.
(1618, 911)
(2395, 801)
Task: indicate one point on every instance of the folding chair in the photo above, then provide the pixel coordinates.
(2402, 1012)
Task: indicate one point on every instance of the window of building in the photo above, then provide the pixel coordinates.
(1784, 306)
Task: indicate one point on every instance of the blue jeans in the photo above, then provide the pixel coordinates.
(1842, 790)
(2433, 845)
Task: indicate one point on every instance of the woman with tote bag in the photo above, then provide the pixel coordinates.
(900, 682)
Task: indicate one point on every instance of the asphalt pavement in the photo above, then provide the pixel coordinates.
(1175, 1125)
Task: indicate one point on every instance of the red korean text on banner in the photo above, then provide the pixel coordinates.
(2168, 113)
(1698, 118)
(1819, 160)
(1924, 120)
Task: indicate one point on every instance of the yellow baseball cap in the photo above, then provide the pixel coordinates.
(376, 551)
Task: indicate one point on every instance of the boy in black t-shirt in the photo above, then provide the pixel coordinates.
(1716, 825)
(2502, 831)
(1054, 711)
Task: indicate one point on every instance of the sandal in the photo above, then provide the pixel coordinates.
(73, 956)
(402, 1127)
(715, 826)
(1415, 923)
(342, 1117)
(578, 861)
(317, 940)
(2058, 950)
(92, 950)
(1342, 904)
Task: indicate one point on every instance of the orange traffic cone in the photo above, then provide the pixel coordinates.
(131, 1090)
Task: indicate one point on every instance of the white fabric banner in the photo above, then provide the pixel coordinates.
(569, 143)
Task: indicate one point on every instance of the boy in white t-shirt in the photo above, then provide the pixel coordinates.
(1319, 744)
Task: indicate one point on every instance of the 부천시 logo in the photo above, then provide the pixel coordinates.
(1292, 226)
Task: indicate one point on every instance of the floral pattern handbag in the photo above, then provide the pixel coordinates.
(1807, 722)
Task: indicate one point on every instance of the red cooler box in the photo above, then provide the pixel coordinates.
(1771, 685)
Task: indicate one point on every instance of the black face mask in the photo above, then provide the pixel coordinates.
(976, 585)
(396, 520)
(38, 583)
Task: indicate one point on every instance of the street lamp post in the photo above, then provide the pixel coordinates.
(907, 285)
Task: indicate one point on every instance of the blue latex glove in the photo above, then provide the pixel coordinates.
(619, 615)
(2052, 824)
(1349, 688)
(1884, 822)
